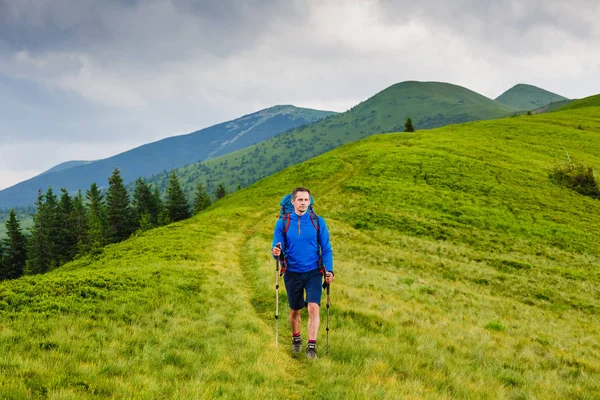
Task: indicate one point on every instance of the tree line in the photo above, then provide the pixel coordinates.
(68, 226)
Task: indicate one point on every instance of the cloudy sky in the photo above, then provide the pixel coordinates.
(86, 79)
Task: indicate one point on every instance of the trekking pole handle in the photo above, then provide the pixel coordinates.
(325, 284)
(278, 245)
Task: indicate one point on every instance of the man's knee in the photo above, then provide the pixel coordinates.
(295, 313)
(313, 308)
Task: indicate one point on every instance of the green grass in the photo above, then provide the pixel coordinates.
(429, 104)
(591, 101)
(527, 97)
(557, 105)
(462, 272)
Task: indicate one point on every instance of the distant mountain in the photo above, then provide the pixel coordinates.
(166, 154)
(528, 97)
(66, 165)
(591, 101)
(429, 104)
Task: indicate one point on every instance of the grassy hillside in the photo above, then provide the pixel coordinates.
(429, 104)
(165, 154)
(591, 101)
(552, 106)
(462, 272)
(528, 97)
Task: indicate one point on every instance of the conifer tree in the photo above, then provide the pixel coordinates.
(67, 239)
(80, 226)
(220, 192)
(145, 223)
(14, 254)
(38, 244)
(51, 207)
(141, 205)
(118, 211)
(408, 125)
(3, 272)
(156, 207)
(41, 254)
(163, 217)
(202, 200)
(177, 205)
(51, 210)
(96, 220)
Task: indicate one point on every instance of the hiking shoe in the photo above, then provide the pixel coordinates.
(311, 350)
(296, 345)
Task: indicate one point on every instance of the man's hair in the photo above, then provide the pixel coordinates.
(300, 189)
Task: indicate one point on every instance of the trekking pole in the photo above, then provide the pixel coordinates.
(277, 300)
(277, 304)
(328, 286)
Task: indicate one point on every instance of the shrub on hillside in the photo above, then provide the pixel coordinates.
(576, 176)
(408, 125)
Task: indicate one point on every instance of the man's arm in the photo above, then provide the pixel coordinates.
(277, 237)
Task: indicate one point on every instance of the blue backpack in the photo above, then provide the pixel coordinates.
(285, 211)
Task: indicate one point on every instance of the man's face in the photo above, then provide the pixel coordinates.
(301, 202)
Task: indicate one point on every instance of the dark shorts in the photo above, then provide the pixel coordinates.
(295, 285)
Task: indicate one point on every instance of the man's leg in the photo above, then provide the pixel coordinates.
(295, 326)
(314, 320)
(295, 321)
(295, 292)
(313, 300)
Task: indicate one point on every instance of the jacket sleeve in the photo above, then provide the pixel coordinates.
(278, 234)
(326, 250)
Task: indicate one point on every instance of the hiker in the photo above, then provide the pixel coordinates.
(303, 238)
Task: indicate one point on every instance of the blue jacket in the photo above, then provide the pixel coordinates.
(302, 252)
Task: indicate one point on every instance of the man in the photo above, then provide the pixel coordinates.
(300, 247)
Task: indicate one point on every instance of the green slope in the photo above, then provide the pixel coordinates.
(429, 104)
(591, 101)
(461, 272)
(552, 106)
(528, 97)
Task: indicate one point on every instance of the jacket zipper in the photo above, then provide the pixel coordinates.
(299, 225)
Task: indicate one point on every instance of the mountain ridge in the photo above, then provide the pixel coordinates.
(66, 165)
(429, 104)
(167, 153)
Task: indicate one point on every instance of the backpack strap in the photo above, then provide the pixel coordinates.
(286, 220)
(314, 218)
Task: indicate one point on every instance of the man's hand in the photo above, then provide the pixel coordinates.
(328, 277)
(276, 251)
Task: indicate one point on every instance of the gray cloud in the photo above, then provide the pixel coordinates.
(512, 26)
(88, 75)
(141, 30)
